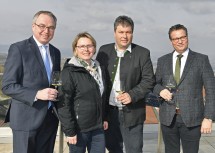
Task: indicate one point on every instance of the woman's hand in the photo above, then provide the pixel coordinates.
(72, 140)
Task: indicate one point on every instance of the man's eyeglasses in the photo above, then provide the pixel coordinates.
(43, 27)
(183, 38)
(89, 47)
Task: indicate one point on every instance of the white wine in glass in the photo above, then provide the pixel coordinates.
(56, 80)
(171, 86)
(120, 87)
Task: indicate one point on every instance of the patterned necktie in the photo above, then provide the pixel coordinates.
(177, 68)
(47, 66)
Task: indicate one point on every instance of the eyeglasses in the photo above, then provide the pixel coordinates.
(183, 38)
(43, 27)
(89, 47)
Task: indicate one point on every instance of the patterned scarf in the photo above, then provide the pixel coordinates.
(93, 70)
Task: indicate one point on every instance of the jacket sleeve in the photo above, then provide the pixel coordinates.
(65, 106)
(12, 83)
(147, 80)
(209, 85)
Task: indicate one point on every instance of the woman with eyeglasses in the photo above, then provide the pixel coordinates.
(82, 108)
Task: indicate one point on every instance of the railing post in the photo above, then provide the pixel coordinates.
(60, 139)
(160, 137)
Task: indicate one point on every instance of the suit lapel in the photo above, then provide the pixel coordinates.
(52, 54)
(37, 54)
(169, 64)
(112, 60)
(187, 65)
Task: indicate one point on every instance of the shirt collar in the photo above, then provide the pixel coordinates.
(128, 49)
(185, 53)
(120, 53)
(38, 43)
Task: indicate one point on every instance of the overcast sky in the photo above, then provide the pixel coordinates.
(152, 19)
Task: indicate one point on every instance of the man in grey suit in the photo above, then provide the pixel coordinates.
(130, 77)
(26, 80)
(183, 113)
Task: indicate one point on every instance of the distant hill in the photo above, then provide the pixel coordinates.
(3, 57)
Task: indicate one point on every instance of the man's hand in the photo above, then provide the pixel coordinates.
(72, 140)
(47, 94)
(206, 126)
(166, 94)
(124, 98)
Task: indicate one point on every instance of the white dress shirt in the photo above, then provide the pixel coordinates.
(183, 61)
(116, 83)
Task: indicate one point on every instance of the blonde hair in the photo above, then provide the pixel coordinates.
(82, 35)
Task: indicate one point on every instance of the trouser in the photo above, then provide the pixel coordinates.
(177, 132)
(94, 141)
(121, 139)
(41, 140)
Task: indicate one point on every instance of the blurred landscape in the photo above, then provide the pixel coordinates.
(3, 98)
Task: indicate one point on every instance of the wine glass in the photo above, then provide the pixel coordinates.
(171, 86)
(120, 87)
(56, 81)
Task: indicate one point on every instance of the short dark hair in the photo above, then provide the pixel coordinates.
(124, 21)
(177, 27)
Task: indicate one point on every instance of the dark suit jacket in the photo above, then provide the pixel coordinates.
(137, 72)
(197, 73)
(24, 75)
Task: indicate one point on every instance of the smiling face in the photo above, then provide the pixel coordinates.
(179, 40)
(84, 49)
(123, 36)
(44, 28)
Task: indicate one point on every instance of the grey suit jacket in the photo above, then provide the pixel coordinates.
(24, 75)
(136, 71)
(197, 73)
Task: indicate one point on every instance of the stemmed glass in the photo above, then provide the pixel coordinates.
(120, 87)
(56, 81)
(171, 86)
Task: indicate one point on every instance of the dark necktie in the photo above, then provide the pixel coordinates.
(177, 68)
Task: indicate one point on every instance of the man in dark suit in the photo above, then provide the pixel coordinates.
(183, 113)
(130, 70)
(26, 80)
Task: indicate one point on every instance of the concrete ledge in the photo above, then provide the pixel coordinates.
(7, 132)
(148, 128)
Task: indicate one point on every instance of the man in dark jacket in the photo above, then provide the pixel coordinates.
(130, 68)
